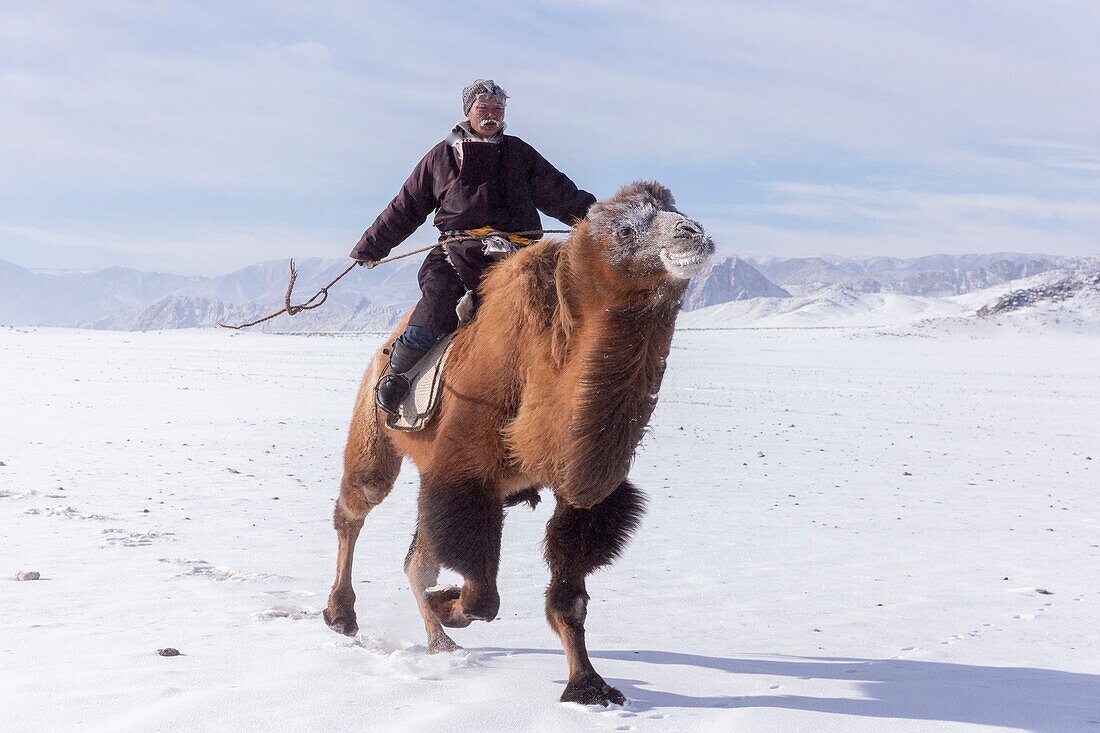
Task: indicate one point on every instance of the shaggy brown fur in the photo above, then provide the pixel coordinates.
(552, 385)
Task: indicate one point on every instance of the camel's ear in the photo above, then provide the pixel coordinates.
(562, 325)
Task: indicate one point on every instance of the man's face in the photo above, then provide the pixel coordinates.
(486, 116)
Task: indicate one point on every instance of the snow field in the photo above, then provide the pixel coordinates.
(848, 530)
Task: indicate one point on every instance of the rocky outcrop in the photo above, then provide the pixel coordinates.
(1057, 292)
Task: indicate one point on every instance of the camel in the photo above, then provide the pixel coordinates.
(551, 385)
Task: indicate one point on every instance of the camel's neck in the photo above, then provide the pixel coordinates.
(622, 347)
(623, 353)
(625, 333)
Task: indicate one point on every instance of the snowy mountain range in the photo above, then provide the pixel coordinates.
(1041, 302)
(743, 288)
(935, 275)
(124, 299)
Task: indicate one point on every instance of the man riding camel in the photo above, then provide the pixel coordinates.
(486, 189)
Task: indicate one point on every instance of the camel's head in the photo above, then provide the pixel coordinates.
(645, 236)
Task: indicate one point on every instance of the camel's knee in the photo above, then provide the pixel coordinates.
(579, 541)
(371, 466)
(359, 493)
(347, 518)
(349, 514)
(566, 604)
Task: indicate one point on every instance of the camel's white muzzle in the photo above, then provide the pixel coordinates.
(688, 251)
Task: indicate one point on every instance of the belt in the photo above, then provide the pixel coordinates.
(483, 232)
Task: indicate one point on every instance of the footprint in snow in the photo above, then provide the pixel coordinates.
(66, 513)
(291, 593)
(294, 613)
(203, 569)
(406, 660)
(5, 494)
(123, 538)
(220, 574)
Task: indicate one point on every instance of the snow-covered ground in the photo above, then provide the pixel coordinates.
(848, 530)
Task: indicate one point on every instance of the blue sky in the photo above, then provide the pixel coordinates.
(202, 137)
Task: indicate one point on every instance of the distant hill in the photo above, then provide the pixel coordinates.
(126, 287)
(365, 300)
(30, 298)
(118, 298)
(188, 311)
(728, 280)
(803, 275)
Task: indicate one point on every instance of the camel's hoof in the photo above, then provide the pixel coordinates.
(442, 643)
(592, 690)
(341, 624)
(444, 604)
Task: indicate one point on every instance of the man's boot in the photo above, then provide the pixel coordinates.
(394, 385)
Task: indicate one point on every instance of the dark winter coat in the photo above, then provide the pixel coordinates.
(501, 185)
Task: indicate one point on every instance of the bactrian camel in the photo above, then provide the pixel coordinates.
(551, 385)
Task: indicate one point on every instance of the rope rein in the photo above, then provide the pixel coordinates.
(292, 310)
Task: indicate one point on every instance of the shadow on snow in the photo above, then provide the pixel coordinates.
(1013, 697)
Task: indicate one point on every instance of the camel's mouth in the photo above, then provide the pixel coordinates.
(686, 264)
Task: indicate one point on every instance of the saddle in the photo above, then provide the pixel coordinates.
(425, 387)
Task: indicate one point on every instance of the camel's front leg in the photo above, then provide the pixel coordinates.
(579, 541)
(370, 469)
(340, 613)
(460, 521)
(356, 500)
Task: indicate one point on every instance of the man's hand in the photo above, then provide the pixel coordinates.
(368, 263)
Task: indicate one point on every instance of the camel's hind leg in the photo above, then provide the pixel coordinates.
(577, 542)
(371, 466)
(422, 567)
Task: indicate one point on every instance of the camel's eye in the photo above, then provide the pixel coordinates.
(625, 232)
